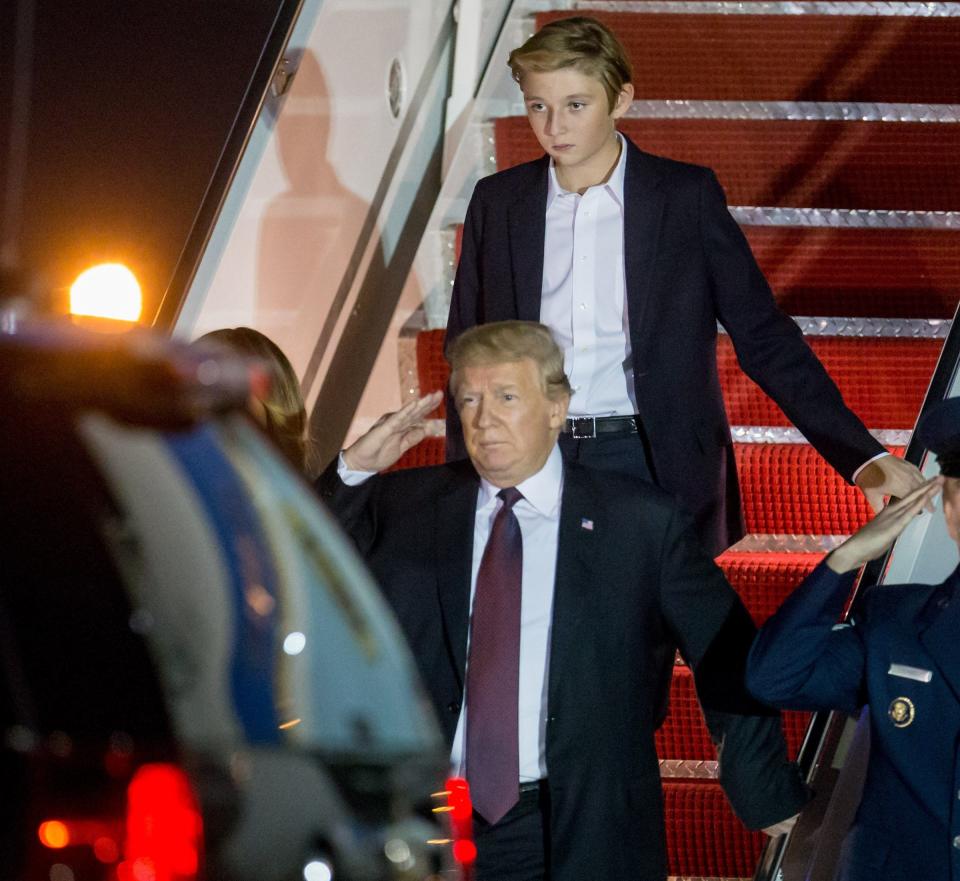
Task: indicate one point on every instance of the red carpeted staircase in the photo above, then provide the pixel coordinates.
(846, 195)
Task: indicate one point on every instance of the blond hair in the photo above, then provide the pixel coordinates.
(286, 415)
(506, 342)
(581, 43)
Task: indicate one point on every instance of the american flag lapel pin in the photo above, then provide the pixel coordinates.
(586, 523)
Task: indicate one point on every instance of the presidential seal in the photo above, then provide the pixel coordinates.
(901, 711)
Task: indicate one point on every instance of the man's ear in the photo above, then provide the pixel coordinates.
(624, 100)
(558, 411)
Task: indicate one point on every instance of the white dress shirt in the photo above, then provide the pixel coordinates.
(583, 299)
(538, 513)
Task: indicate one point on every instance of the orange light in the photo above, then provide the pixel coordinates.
(465, 852)
(109, 290)
(54, 834)
(164, 827)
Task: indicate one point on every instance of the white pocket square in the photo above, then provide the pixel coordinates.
(905, 671)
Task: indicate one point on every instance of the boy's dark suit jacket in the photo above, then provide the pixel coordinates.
(909, 816)
(632, 582)
(687, 267)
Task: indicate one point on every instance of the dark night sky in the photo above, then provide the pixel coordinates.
(132, 101)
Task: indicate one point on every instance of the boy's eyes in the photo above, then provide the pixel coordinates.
(573, 105)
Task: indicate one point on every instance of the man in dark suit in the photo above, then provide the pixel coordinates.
(900, 655)
(631, 260)
(542, 601)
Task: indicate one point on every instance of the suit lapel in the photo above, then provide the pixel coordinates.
(527, 219)
(578, 549)
(940, 628)
(456, 508)
(643, 207)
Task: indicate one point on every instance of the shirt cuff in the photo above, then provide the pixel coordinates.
(856, 473)
(349, 476)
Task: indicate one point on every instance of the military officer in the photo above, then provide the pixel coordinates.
(901, 657)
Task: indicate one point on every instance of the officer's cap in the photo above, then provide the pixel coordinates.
(939, 431)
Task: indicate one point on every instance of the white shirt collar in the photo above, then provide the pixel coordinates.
(614, 184)
(541, 490)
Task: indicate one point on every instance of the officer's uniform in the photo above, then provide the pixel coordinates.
(901, 657)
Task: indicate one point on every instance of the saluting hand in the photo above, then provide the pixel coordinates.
(871, 540)
(391, 436)
(888, 476)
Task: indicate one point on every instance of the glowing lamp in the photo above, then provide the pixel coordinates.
(54, 834)
(109, 290)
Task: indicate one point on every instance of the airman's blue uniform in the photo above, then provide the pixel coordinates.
(900, 656)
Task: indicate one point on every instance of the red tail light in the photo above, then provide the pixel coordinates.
(164, 829)
(461, 821)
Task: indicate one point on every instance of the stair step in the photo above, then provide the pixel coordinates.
(854, 271)
(788, 58)
(704, 836)
(765, 580)
(877, 273)
(877, 165)
(684, 735)
(882, 379)
(788, 489)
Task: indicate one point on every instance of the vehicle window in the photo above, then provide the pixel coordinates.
(260, 615)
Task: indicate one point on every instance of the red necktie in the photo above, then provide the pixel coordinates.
(493, 673)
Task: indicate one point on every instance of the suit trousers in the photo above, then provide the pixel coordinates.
(517, 848)
(625, 453)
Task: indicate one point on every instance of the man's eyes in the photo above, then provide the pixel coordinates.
(577, 105)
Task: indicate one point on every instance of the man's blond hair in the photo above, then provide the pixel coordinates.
(582, 43)
(506, 342)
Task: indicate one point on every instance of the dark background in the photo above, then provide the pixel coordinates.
(132, 102)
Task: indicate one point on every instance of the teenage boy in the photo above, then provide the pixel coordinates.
(631, 260)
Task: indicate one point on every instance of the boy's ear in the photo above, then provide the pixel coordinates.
(624, 100)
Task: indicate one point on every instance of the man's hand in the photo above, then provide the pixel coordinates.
(871, 540)
(888, 476)
(391, 436)
(781, 828)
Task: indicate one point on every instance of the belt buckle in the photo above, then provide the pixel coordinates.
(576, 430)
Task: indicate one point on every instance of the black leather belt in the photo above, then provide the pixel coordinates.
(530, 786)
(584, 427)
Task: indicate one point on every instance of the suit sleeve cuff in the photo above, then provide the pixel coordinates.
(349, 476)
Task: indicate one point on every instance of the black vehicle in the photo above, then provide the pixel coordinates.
(198, 678)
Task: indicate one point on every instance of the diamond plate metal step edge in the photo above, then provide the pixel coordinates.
(771, 543)
(702, 878)
(775, 434)
(791, 110)
(895, 328)
(803, 111)
(753, 215)
(725, 7)
(688, 769)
